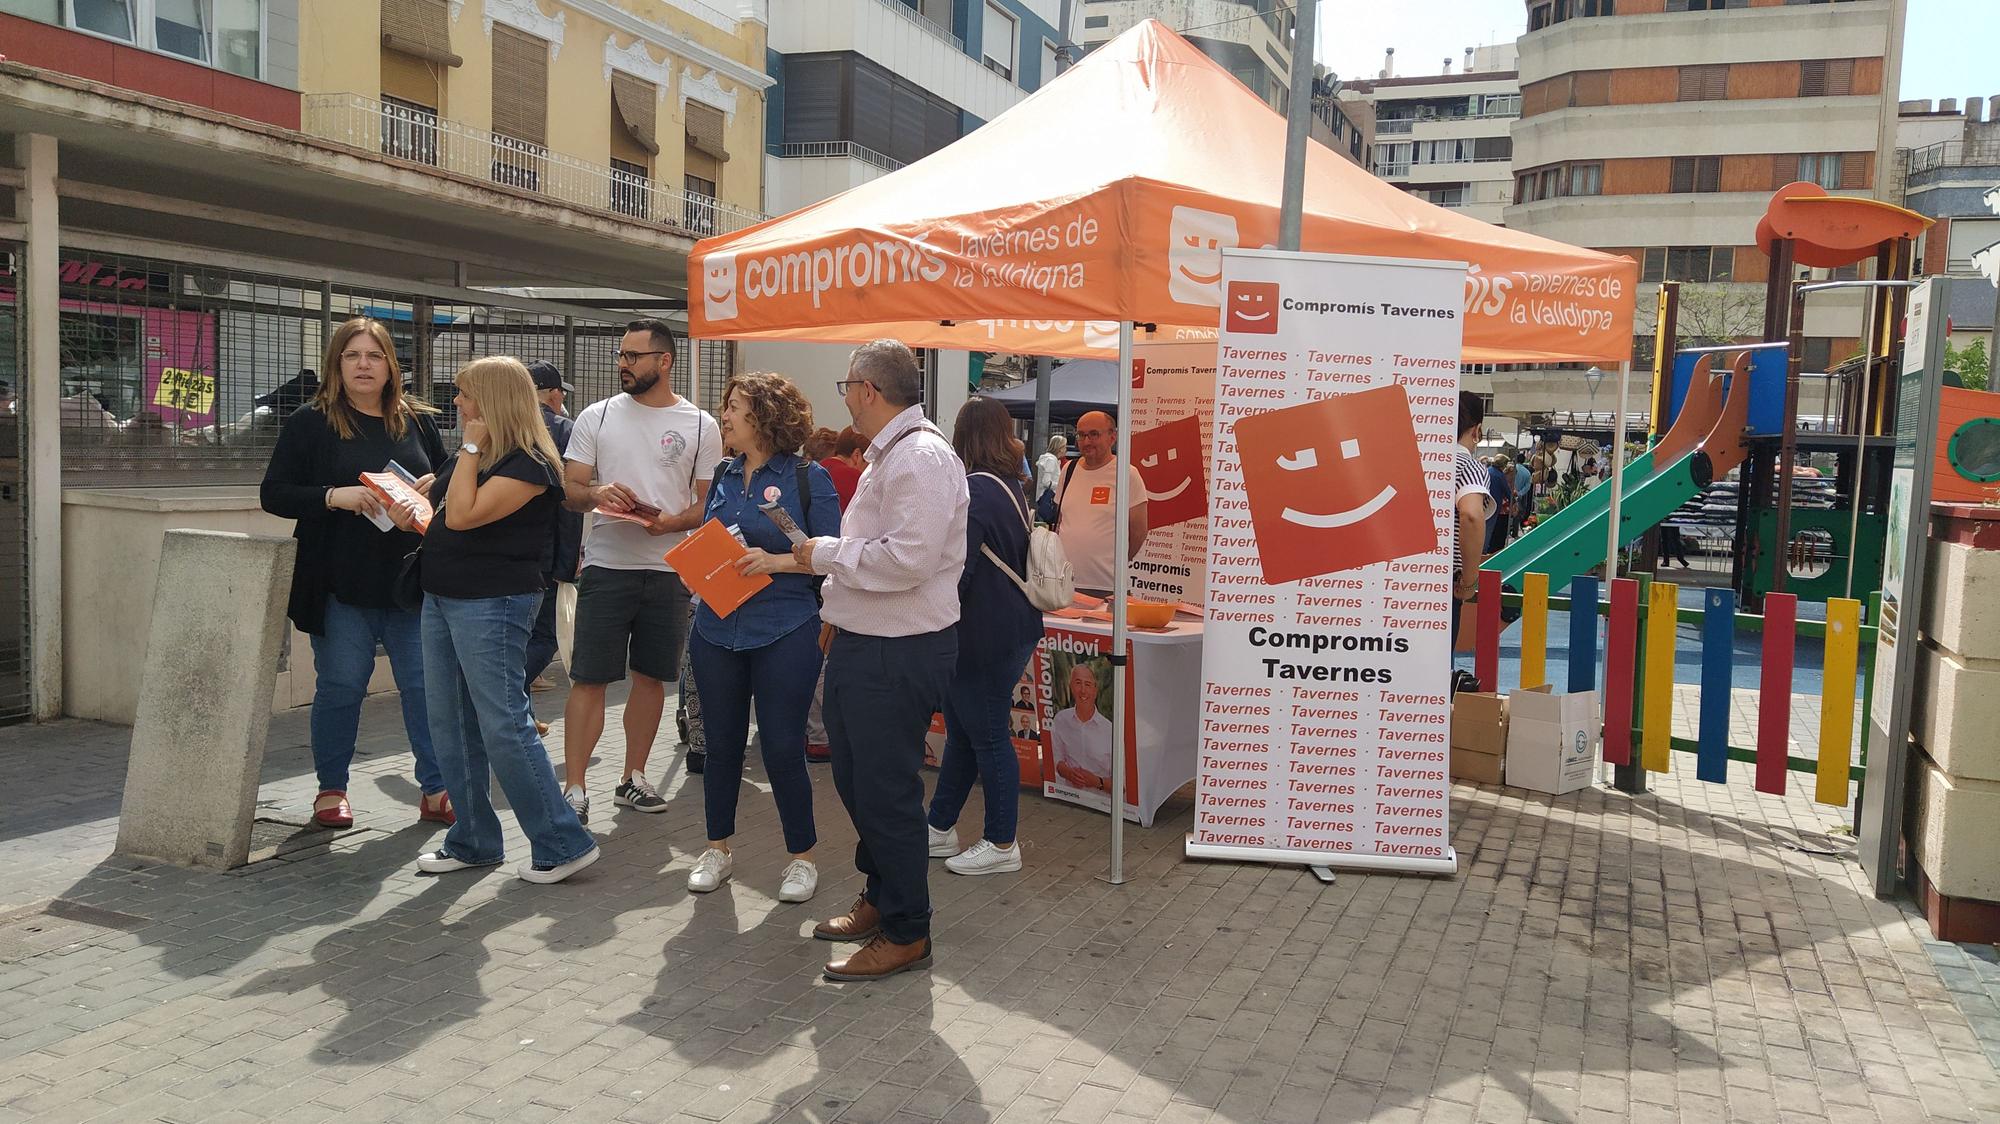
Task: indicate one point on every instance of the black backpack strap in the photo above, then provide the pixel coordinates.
(1068, 471)
(805, 491)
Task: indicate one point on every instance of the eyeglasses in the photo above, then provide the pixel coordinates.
(629, 357)
(841, 386)
(358, 356)
(1093, 433)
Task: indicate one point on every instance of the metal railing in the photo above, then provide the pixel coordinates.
(419, 137)
(1954, 154)
(831, 150)
(925, 22)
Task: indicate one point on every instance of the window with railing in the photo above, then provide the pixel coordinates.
(517, 163)
(409, 131)
(1687, 263)
(698, 208)
(631, 189)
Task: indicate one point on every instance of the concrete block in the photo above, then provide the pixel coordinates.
(1956, 713)
(1962, 600)
(204, 697)
(1956, 842)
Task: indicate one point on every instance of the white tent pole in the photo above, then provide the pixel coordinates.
(1121, 502)
(1617, 478)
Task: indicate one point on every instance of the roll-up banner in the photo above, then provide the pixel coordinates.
(1326, 669)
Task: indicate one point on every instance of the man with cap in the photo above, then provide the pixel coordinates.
(568, 547)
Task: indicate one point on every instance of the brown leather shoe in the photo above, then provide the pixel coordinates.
(860, 923)
(881, 957)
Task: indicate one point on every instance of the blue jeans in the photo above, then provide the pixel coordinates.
(978, 743)
(343, 661)
(473, 648)
(779, 677)
(542, 640)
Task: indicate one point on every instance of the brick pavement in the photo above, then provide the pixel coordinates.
(1597, 959)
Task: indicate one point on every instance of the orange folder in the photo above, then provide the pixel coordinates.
(706, 561)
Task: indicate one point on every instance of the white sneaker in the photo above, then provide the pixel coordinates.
(578, 801)
(801, 882)
(529, 872)
(710, 871)
(442, 861)
(944, 844)
(984, 857)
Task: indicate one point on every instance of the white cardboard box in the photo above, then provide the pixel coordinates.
(1552, 740)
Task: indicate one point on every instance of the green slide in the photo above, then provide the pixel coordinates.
(1571, 541)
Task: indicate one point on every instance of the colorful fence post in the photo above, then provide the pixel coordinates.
(1656, 739)
(1621, 656)
(1583, 633)
(1486, 644)
(1534, 630)
(1718, 635)
(1836, 704)
(1774, 691)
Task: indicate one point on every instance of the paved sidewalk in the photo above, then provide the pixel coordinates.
(1597, 958)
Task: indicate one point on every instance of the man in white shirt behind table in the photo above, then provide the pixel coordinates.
(891, 606)
(1088, 504)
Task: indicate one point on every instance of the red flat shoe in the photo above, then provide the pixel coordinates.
(440, 812)
(331, 809)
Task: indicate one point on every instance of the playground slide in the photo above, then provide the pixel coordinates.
(1705, 441)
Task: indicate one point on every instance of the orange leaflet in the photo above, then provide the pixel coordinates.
(706, 561)
(393, 490)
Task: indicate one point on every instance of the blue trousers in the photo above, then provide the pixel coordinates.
(880, 694)
(542, 640)
(343, 660)
(473, 649)
(978, 745)
(779, 678)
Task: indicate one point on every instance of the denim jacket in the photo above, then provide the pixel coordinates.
(789, 601)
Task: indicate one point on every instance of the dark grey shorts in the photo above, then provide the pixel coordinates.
(644, 612)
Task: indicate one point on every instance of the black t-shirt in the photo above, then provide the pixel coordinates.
(507, 556)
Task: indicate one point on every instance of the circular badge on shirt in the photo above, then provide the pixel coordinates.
(771, 493)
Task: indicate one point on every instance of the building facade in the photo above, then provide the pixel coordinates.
(199, 192)
(861, 88)
(1951, 172)
(1660, 128)
(1445, 137)
(1252, 39)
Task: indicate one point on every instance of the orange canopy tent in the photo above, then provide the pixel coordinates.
(1107, 197)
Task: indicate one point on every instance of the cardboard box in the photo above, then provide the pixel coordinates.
(1552, 740)
(1479, 722)
(1476, 767)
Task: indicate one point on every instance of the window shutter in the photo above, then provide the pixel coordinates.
(874, 108)
(1715, 83)
(409, 78)
(636, 99)
(813, 100)
(1839, 77)
(1784, 170)
(1690, 83)
(909, 110)
(1854, 170)
(1593, 87)
(520, 85)
(419, 27)
(1812, 78)
(940, 125)
(1708, 173)
(705, 125)
(701, 165)
(1683, 175)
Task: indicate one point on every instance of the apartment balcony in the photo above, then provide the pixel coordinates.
(801, 173)
(413, 135)
(902, 40)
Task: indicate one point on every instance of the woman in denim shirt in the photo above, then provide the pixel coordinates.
(767, 651)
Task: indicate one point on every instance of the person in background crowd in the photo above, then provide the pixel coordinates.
(767, 651)
(1524, 494)
(646, 446)
(1673, 546)
(891, 601)
(1473, 504)
(343, 583)
(1087, 503)
(820, 445)
(1001, 627)
(568, 547)
(845, 464)
(1499, 485)
(484, 570)
(1048, 467)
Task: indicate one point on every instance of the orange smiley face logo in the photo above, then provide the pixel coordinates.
(1253, 308)
(1170, 463)
(1336, 484)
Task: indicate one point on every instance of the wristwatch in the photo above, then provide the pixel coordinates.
(469, 447)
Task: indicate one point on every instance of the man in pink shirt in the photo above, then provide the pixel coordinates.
(891, 607)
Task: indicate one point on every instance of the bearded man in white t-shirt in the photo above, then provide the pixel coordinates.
(628, 455)
(1087, 500)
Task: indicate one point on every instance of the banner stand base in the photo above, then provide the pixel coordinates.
(1110, 881)
(1386, 864)
(1323, 873)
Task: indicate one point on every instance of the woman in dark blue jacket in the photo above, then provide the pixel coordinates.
(767, 651)
(998, 629)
